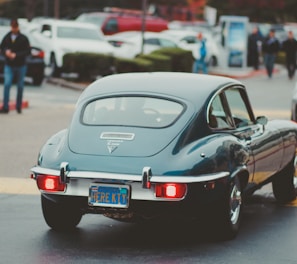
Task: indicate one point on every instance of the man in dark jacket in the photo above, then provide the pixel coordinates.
(15, 47)
(254, 46)
(270, 48)
(290, 48)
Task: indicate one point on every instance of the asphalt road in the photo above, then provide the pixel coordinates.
(267, 235)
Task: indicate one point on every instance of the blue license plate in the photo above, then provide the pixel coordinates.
(109, 195)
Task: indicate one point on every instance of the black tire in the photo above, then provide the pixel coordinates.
(283, 184)
(60, 217)
(213, 61)
(37, 80)
(55, 70)
(228, 213)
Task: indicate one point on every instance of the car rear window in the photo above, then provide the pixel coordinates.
(132, 111)
(78, 33)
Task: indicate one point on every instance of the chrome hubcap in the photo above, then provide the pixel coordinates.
(235, 204)
(295, 174)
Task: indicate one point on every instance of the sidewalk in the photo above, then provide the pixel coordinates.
(12, 105)
(242, 73)
(231, 73)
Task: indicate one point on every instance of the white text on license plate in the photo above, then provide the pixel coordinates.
(109, 195)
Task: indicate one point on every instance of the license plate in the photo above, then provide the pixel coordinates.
(109, 195)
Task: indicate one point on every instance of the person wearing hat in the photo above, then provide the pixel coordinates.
(15, 47)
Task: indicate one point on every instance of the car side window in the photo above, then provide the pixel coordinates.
(190, 40)
(167, 43)
(152, 41)
(238, 108)
(217, 117)
(111, 26)
(46, 30)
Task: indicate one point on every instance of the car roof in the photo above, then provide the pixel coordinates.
(137, 34)
(70, 23)
(179, 33)
(186, 86)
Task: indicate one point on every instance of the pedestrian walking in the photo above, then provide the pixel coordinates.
(270, 48)
(15, 47)
(199, 54)
(254, 48)
(290, 48)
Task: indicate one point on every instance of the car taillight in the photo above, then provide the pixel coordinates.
(37, 53)
(171, 190)
(116, 43)
(50, 183)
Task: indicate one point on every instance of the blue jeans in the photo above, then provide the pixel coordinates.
(200, 65)
(9, 74)
(269, 60)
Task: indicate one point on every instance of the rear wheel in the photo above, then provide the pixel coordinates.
(228, 213)
(60, 217)
(283, 183)
(54, 69)
(37, 80)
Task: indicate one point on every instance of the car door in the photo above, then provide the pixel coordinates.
(263, 141)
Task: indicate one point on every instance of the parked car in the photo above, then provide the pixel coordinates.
(59, 37)
(35, 61)
(111, 23)
(187, 39)
(154, 145)
(129, 44)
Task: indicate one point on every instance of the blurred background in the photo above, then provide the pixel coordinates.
(272, 11)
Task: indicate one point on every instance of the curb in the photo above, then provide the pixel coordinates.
(12, 105)
(243, 74)
(235, 74)
(67, 84)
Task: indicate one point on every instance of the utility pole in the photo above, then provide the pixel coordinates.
(143, 23)
(57, 9)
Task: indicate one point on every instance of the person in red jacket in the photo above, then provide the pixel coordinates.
(15, 47)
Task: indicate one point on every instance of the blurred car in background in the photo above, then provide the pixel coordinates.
(60, 37)
(196, 25)
(129, 44)
(35, 61)
(187, 39)
(111, 23)
(291, 27)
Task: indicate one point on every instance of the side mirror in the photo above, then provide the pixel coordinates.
(47, 33)
(262, 120)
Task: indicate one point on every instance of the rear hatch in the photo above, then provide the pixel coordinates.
(108, 127)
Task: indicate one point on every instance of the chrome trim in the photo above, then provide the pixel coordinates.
(80, 181)
(117, 136)
(146, 177)
(130, 177)
(64, 171)
(189, 179)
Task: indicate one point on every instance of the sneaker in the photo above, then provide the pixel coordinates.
(19, 110)
(4, 111)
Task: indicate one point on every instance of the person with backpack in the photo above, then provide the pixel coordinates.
(199, 54)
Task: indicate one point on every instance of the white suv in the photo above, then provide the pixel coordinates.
(59, 37)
